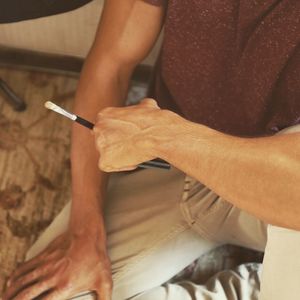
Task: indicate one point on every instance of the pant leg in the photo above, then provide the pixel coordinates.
(239, 284)
(151, 237)
(218, 220)
(281, 266)
(154, 232)
(149, 241)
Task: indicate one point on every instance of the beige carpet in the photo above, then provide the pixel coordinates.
(34, 162)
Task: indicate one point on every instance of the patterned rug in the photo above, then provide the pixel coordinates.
(34, 162)
(35, 171)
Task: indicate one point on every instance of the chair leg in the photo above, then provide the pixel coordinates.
(14, 100)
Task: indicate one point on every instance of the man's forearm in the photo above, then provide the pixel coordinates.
(102, 84)
(118, 47)
(259, 175)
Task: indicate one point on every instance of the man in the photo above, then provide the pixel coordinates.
(231, 68)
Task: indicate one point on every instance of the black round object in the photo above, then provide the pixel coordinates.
(19, 10)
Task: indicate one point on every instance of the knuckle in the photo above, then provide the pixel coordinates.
(14, 278)
(101, 147)
(97, 128)
(99, 140)
(101, 165)
(66, 286)
(24, 296)
(44, 284)
(101, 143)
(100, 120)
(34, 274)
(167, 114)
(101, 137)
(146, 101)
(43, 269)
(23, 280)
(106, 110)
(149, 102)
(15, 273)
(104, 162)
(106, 169)
(55, 252)
(107, 284)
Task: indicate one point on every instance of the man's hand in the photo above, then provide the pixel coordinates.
(124, 136)
(70, 265)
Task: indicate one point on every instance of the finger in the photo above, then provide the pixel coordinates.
(99, 141)
(116, 157)
(57, 294)
(110, 169)
(29, 278)
(30, 292)
(107, 161)
(25, 268)
(32, 264)
(105, 168)
(150, 103)
(104, 290)
(125, 169)
(105, 294)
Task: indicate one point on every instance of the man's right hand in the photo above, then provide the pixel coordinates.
(71, 264)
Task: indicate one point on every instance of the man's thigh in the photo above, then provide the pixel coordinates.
(218, 220)
(149, 241)
(133, 202)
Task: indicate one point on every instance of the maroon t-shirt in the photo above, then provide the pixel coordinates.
(233, 65)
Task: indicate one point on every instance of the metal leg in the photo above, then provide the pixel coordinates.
(10, 96)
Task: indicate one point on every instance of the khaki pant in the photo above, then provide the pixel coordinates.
(159, 221)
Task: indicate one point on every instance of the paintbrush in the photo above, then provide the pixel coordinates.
(155, 163)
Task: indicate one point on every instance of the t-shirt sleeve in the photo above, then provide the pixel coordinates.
(156, 2)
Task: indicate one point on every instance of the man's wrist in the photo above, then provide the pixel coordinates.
(163, 140)
(86, 216)
(86, 228)
(170, 140)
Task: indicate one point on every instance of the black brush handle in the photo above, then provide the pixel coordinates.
(12, 98)
(154, 163)
(84, 122)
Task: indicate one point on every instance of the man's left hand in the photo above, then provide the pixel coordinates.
(125, 136)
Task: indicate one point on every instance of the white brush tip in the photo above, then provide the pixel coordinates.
(49, 104)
